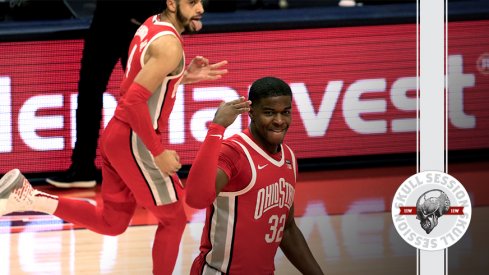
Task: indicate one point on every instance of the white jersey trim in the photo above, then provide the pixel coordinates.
(293, 161)
(147, 176)
(263, 153)
(158, 35)
(156, 21)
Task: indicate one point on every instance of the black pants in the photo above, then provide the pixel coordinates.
(107, 41)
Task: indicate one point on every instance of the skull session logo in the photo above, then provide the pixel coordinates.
(431, 210)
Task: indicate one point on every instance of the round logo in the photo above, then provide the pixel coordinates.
(431, 210)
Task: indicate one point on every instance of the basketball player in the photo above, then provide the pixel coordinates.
(250, 197)
(137, 168)
(106, 42)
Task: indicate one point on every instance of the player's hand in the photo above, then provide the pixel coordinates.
(168, 162)
(227, 112)
(199, 69)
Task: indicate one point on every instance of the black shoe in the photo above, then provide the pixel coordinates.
(75, 179)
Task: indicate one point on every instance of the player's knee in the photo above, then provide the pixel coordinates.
(181, 221)
(115, 230)
(172, 216)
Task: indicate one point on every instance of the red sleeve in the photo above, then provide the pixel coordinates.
(234, 163)
(201, 181)
(227, 159)
(135, 105)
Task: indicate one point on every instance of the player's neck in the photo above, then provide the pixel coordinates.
(168, 17)
(267, 147)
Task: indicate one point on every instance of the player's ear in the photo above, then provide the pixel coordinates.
(251, 114)
(171, 5)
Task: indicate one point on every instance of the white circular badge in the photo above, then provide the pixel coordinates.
(431, 210)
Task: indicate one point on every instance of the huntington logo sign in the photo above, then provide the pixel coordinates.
(431, 210)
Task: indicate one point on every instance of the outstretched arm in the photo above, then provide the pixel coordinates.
(296, 249)
(199, 69)
(203, 183)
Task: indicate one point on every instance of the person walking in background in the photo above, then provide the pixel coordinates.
(250, 196)
(137, 168)
(106, 43)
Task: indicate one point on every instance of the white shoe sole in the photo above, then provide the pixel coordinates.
(7, 183)
(8, 180)
(75, 184)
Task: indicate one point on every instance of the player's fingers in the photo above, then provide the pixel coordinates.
(218, 64)
(240, 101)
(240, 105)
(176, 163)
(218, 72)
(236, 101)
(170, 170)
(223, 103)
(202, 61)
(210, 77)
(174, 167)
(243, 107)
(243, 110)
(244, 104)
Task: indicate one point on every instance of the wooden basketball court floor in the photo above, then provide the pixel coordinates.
(343, 214)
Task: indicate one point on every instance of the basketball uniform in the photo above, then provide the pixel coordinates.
(130, 175)
(245, 224)
(163, 190)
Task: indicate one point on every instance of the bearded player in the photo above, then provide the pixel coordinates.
(137, 168)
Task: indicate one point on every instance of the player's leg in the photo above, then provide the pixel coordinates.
(171, 224)
(112, 217)
(171, 217)
(119, 204)
(17, 195)
(150, 193)
(152, 190)
(114, 214)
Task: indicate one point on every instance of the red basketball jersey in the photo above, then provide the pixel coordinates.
(161, 102)
(245, 224)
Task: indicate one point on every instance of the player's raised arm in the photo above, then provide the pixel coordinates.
(202, 181)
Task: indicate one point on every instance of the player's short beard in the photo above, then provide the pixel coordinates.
(183, 20)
